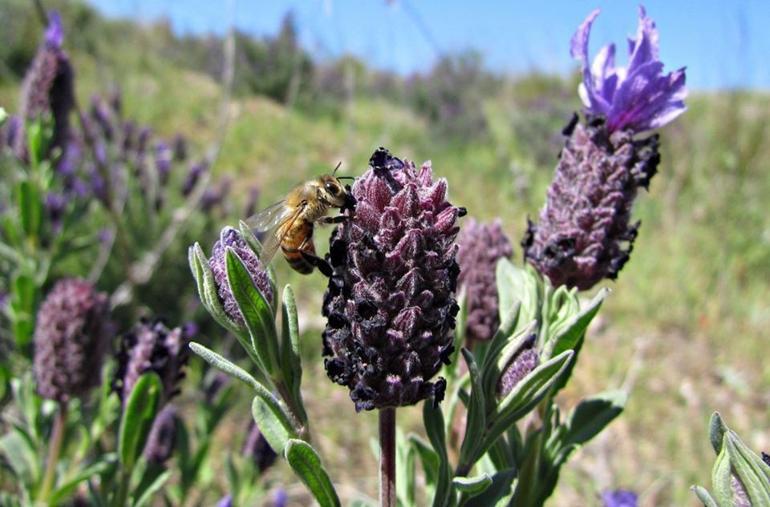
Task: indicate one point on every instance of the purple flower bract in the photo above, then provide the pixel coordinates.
(638, 97)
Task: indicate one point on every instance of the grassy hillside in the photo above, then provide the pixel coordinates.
(685, 327)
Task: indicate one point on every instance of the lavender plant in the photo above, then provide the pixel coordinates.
(740, 476)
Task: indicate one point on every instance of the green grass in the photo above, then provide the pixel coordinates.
(686, 325)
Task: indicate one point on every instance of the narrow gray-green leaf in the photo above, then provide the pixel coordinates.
(704, 496)
(224, 365)
(574, 330)
(592, 415)
(141, 407)
(472, 485)
(498, 489)
(717, 431)
(290, 353)
(476, 420)
(273, 422)
(153, 488)
(257, 313)
(307, 465)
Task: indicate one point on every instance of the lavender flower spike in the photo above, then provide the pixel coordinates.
(390, 302)
(481, 246)
(638, 97)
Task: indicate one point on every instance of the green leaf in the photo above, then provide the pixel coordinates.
(472, 485)
(273, 422)
(717, 430)
(428, 457)
(257, 313)
(518, 286)
(490, 369)
(704, 496)
(307, 465)
(152, 488)
(721, 478)
(30, 208)
(499, 488)
(207, 290)
(290, 353)
(66, 489)
(476, 420)
(20, 454)
(224, 365)
(749, 468)
(433, 419)
(527, 393)
(141, 407)
(574, 330)
(592, 415)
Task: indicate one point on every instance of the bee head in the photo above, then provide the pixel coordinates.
(332, 191)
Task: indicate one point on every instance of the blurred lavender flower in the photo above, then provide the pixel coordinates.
(55, 205)
(163, 156)
(619, 498)
(193, 175)
(252, 202)
(523, 361)
(71, 336)
(215, 195)
(480, 247)
(180, 148)
(102, 116)
(151, 346)
(226, 501)
(48, 86)
(280, 498)
(390, 301)
(160, 441)
(257, 448)
(638, 97)
(585, 231)
(231, 238)
(11, 131)
(215, 386)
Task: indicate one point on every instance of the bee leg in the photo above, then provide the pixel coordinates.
(333, 220)
(323, 266)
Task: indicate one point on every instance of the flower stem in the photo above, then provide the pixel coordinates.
(57, 438)
(387, 457)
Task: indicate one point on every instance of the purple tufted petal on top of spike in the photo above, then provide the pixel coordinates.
(54, 34)
(390, 303)
(638, 97)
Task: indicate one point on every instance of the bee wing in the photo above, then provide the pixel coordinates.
(274, 237)
(268, 218)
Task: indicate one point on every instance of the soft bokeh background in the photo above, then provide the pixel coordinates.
(482, 89)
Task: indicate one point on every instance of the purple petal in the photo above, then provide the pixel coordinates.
(54, 34)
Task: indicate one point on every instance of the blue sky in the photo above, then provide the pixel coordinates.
(723, 43)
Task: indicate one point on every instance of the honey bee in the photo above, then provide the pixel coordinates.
(288, 224)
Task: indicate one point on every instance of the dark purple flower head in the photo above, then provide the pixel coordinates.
(180, 148)
(481, 246)
(160, 441)
(638, 97)
(523, 361)
(151, 346)
(55, 205)
(48, 87)
(585, 232)
(390, 301)
(619, 498)
(225, 501)
(71, 336)
(257, 448)
(231, 238)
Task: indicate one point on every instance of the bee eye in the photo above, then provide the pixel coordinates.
(332, 189)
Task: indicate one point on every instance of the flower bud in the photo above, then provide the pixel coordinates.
(390, 301)
(151, 346)
(619, 498)
(257, 448)
(231, 238)
(480, 247)
(71, 336)
(160, 441)
(523, 361)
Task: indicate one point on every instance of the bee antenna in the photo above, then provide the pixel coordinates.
(338, 166)
(346, 177)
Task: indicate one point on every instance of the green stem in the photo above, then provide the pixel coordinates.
(57, 438)
(387, 457)
(121, 497)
